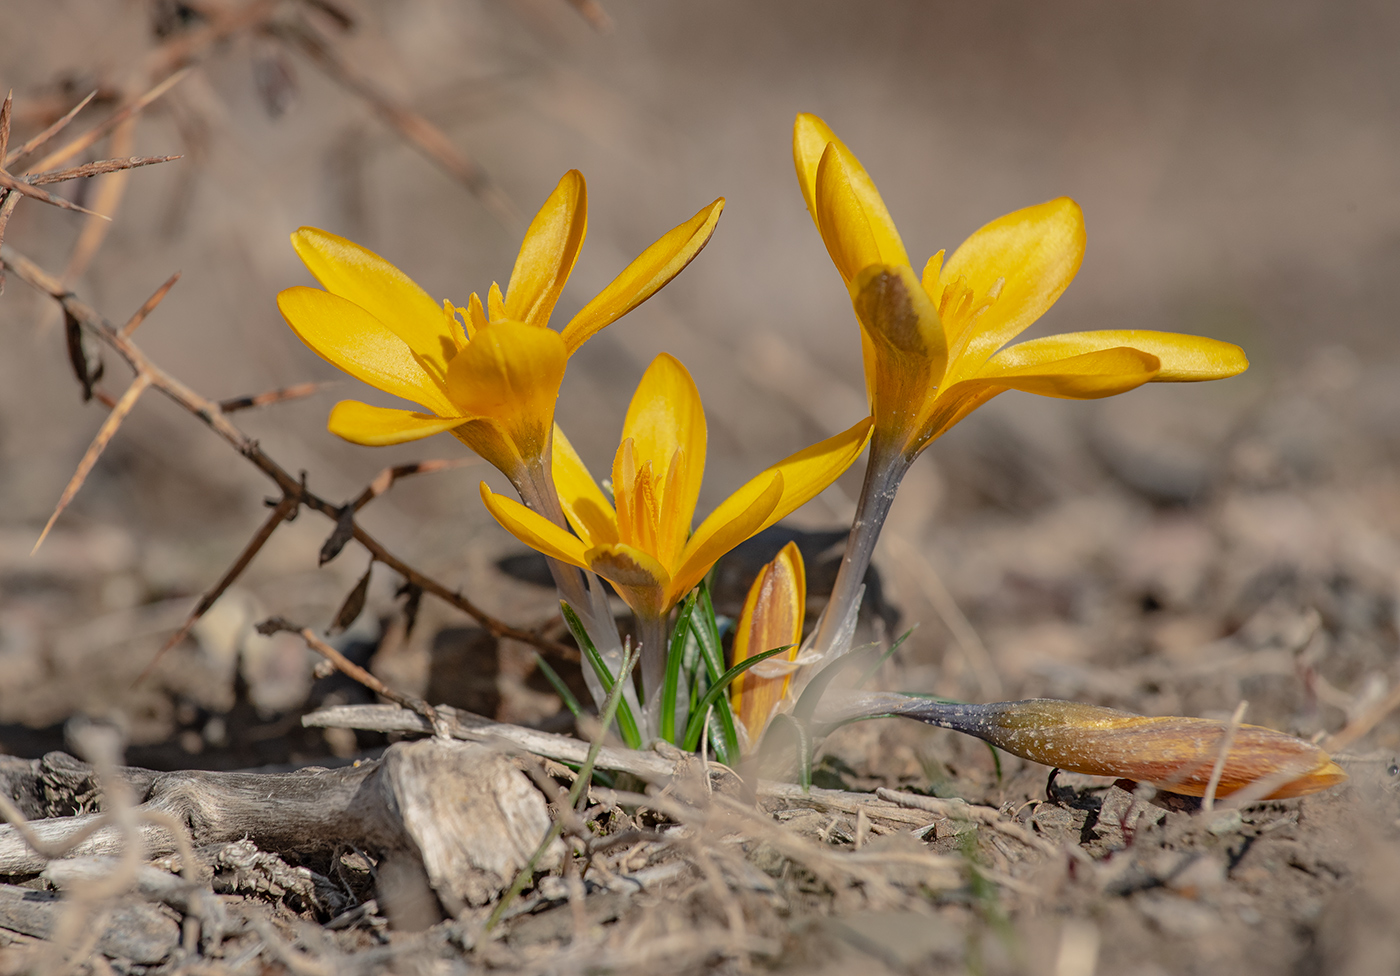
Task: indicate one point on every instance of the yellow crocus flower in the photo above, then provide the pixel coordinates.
(489, 373)
(642, 540)
(935, 345)
(772, 617)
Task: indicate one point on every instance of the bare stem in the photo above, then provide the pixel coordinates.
(883, 473)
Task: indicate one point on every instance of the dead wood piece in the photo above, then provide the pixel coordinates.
(461, 812)
(474, 817)
(474, 728)
(136, 931)
(183, 896)
(243, 869)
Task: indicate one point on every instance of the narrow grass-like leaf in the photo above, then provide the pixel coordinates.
(696, 725)
(560, 688)
(870, 672)
(675, 656)
(626, 721)
(802, 743)
(706, 629)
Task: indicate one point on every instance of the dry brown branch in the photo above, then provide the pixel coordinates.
(356, 673)
(149, 306)
(95, 449)
(43, 137)
(208, 411)
(294, 392)
(60, 156)
(8, 201)
(14, 185)
(5, 110)
(422, 134)
(96, 168)
(107, 200)
(286, 509)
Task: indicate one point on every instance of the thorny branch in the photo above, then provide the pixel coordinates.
(149, 374)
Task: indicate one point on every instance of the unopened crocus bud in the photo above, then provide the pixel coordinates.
(1172, 753)
(772, 618)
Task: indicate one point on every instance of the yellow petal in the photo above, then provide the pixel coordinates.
(510, 372)
(640, 579)
(645, 276)
(549, 251)
(666, 416)
(585, 505)
(772, 617)
(476, 315)
(1034, 253)
(1184, 358)
(350, 338)
(495, 304)
(908, 353)
(851, 216)
(810, 137)
(742, 515)
(493, 443)
(361, 423)
(809, 472)
(363, 277)
(1090, 376)
(533, 529)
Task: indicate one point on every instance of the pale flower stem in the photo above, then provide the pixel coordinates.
(883, 473)
(651, 636)
(537, 491)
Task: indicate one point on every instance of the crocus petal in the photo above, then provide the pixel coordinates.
(810, 472)
(810, 137)
(666, 416)
(549, 251)
(772, 617)
(363, 277)
(1184, 358)
(1034, 253)
(350, 338)
(742, 515)
(908, 354)
(645, 276)
(476, 315)
(533, 529)
(851, 216)
(361, 423)
(640, 579)
(510, 372)
(585, 506)
(1090, 376)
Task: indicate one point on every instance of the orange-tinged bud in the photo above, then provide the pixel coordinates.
(1172, 753)
(772, 618)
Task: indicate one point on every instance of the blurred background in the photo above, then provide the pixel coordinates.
(1237, 165)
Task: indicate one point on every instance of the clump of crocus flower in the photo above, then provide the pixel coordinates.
(936, 345)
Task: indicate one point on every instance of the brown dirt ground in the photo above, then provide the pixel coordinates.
(1174, 551)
